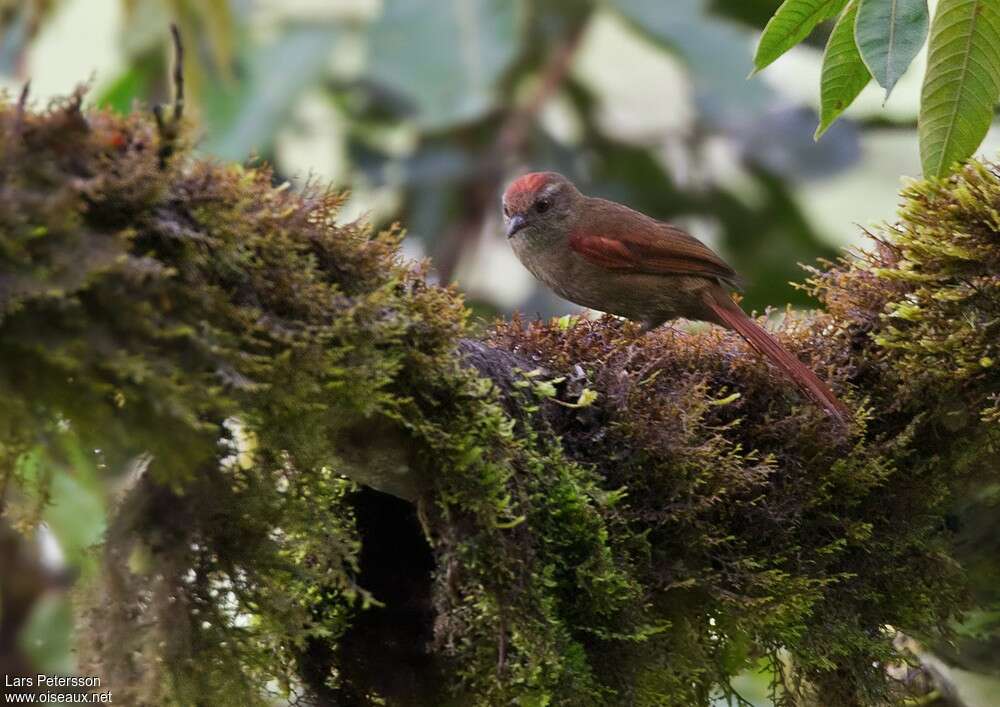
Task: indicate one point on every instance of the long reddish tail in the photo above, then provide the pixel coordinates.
(729, 315)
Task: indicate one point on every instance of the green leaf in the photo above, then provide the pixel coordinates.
(844, 73)
(47, 637)
(792, 23)
(889, 33)
(445, 57)
(245, 117)
(121, 93)
(962, 83)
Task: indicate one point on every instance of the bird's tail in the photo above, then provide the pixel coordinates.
(729, 315)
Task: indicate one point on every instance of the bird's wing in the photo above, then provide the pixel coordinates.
(624, 240)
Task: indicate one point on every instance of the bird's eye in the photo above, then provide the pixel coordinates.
(542, 205)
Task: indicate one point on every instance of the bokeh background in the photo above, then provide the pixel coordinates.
(425, 109)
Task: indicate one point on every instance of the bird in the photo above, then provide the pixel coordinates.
(606, 256)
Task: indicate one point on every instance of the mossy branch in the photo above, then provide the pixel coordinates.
(592, 515)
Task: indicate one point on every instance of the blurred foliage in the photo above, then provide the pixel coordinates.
(443, 83)
(20, 21)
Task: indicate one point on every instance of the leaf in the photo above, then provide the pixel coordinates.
(47, 635)
(792, 23)
(844, 73)
(889, 33)
(726, 400)
(715, 49)
(586, 399)
(246, 117)
(121, 93)
(445, 57)
(962, 83)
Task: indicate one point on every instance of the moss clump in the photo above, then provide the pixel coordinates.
(634, 522)
(153, 310)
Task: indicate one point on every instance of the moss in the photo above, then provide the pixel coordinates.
(614, 518)
(155, 311)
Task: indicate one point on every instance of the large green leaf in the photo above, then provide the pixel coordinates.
(244, 117)
(844, 73)
(792, 23)
(889, 33)
(962, 83)
(714, 48)
(445, 57)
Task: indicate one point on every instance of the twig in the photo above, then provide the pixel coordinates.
(175, 34)
(22, 102)
(170, 129)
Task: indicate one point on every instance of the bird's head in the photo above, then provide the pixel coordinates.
(540, 202)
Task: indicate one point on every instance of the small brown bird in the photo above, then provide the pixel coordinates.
(605, 256)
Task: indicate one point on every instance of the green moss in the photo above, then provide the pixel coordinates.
(634, 523)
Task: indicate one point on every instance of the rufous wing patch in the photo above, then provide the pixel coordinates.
(669, 252)
(606, 252)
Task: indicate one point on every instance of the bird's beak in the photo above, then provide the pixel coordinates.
(515, 224)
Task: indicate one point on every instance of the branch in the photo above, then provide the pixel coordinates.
(514, 132)
(169, 129)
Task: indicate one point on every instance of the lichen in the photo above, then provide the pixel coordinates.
(611, 517)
